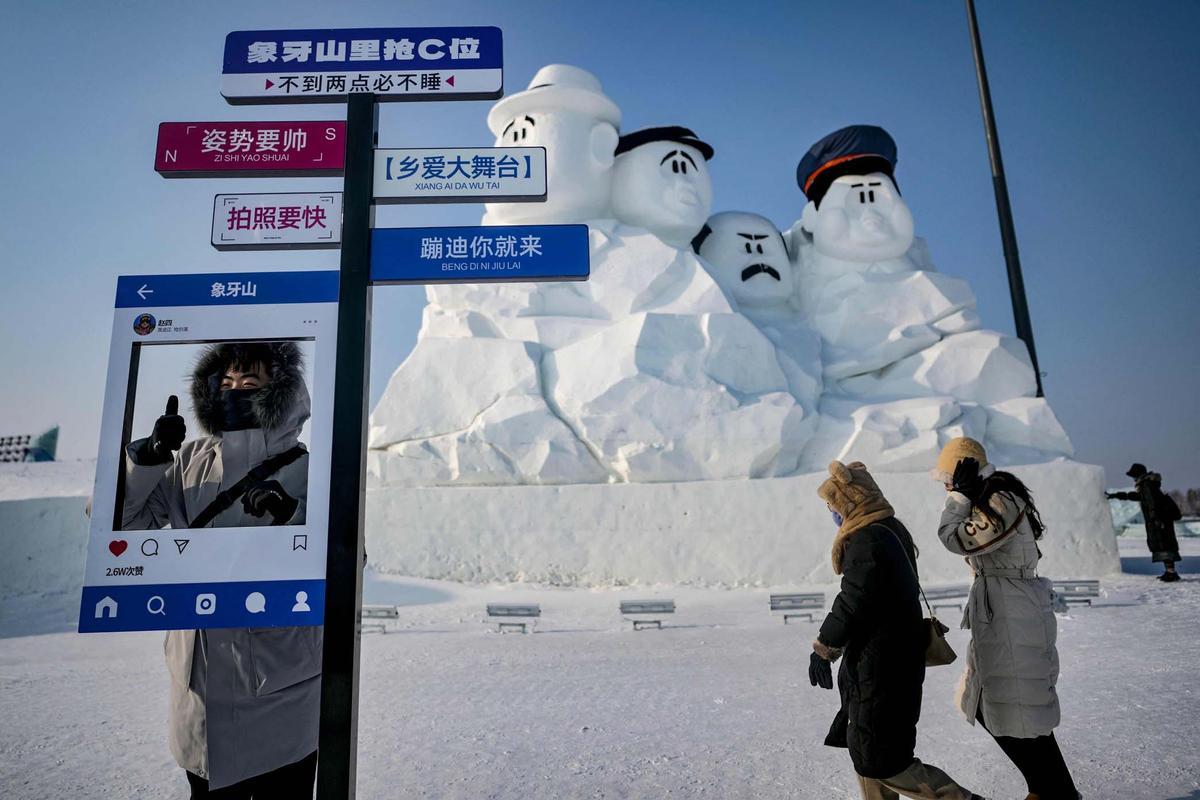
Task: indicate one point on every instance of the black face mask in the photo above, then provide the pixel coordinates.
(238, 408)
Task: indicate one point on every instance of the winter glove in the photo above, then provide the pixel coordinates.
(820, 673)
(167, 436)
(966, 479)
(269, 496)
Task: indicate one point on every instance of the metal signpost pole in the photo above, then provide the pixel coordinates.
(343, 573)
(1008, 233)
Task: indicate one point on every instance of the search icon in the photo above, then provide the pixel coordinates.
(156, 605)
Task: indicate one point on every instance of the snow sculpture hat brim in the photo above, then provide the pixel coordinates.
(853, 150)
(556, 86)
(666, 133)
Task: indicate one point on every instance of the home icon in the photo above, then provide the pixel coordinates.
(106, 608)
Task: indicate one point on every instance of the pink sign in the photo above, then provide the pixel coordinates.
(264, 149)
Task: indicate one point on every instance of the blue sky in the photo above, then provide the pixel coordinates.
(1095, 104)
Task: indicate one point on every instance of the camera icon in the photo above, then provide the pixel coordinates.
(206, 603)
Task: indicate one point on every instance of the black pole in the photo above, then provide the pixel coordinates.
(338, 754)
(1008, 233)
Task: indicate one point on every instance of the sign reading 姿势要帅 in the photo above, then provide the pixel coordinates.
(460, 175)
(480, 254)
(246, 149)
(292, 66)
(291, 220)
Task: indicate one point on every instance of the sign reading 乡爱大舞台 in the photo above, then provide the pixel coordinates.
(290, 66)
(460, 174)
(294, 220)
(247, 149)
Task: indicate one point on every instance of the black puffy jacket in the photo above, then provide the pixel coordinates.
(876, 619)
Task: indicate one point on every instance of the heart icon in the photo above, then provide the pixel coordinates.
(117, 546)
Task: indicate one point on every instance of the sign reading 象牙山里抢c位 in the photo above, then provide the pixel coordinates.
(460, 175)
(296, 66)
(245, 149)
(480, 254)
(291, 220)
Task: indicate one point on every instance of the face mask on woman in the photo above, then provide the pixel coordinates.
(238, 408)
(837, 518)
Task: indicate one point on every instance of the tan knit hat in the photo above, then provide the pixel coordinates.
(955, 451)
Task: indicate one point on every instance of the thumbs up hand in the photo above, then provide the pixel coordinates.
(169, 433)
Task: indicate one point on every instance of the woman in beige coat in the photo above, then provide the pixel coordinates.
(1012, 662)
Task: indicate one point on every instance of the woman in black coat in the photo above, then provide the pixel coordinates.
(876, 623)
(1160, 513)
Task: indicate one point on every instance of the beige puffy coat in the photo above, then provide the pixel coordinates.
(1012, 662)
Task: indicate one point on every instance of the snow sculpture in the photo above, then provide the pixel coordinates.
(566, 111)
(661, 183)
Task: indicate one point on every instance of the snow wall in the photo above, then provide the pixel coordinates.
(765, 532)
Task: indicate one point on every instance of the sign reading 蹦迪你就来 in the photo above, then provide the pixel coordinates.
(460, 174)
(246, 149)
(290, 66)
(292, 220)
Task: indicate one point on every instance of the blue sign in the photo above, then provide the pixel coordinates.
(183, 606)
(480, 254)
(391, 63)
(226, 288)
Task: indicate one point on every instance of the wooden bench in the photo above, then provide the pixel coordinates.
(506, 616)
(644, 613)
(379, 617)
(1077, 591)
(798, 605)
(948, 596)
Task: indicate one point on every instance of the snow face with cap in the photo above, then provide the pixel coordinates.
(566, 111)
(747, 257)
(664, 187)
(861, 218)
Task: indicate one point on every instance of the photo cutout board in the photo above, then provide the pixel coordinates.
(211, 502)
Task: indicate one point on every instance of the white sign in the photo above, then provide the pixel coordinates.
(277, 221)
(461, 175)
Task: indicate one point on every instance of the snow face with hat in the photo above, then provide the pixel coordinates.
(661, 182)
(566, 111)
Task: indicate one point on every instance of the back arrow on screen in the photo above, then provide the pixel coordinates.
(142, 292)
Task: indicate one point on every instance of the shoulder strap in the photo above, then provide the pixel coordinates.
(228, 497)
(913, 567)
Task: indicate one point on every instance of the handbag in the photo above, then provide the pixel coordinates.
(938, 651)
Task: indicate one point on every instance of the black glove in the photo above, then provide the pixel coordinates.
(820, 673)
(169, 432)
(269, 496)
(1110, 495)
(966, 479)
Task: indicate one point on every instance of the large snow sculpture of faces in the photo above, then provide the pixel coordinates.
(747, 256)
(861, 218)
(566, 111)
(661, 183)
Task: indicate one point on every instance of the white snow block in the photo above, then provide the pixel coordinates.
(978, 366)
(664, 397)
(768, 532)
(1026, 425)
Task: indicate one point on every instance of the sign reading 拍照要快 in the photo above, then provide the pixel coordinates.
(480, 254)
(244, 149)
(290, 66)
(460, 175)
(293, 220)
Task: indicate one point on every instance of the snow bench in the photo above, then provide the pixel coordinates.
(798, 605)
(513, 615)
(948, 596)
(379, 617)
(644, 613)
(1077, 591)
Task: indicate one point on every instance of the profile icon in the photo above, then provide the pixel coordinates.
(144, 324)
(301, 603)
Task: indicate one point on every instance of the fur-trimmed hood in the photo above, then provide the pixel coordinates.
(281, 406)
(852, 492)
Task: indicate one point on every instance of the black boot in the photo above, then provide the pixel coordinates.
(1169, 577)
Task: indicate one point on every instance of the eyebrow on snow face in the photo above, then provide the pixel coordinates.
(527, 118)
(753, 236)
(683, 153)
(860, 185)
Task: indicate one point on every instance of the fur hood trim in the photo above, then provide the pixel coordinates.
(852, 492)
(274, 404)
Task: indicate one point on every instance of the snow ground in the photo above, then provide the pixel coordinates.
(715, 705)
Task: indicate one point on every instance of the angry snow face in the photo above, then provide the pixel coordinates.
(747, 256)
(862, 219)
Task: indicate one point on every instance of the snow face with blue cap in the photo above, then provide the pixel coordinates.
(748, 259)
(664, 187)
(861, 219)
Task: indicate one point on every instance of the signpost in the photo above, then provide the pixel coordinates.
(291, 66)
(250, 149)
(460, 174)
(292, 220)
(480, 254)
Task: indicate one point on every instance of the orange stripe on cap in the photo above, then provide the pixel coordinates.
(839, 160)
